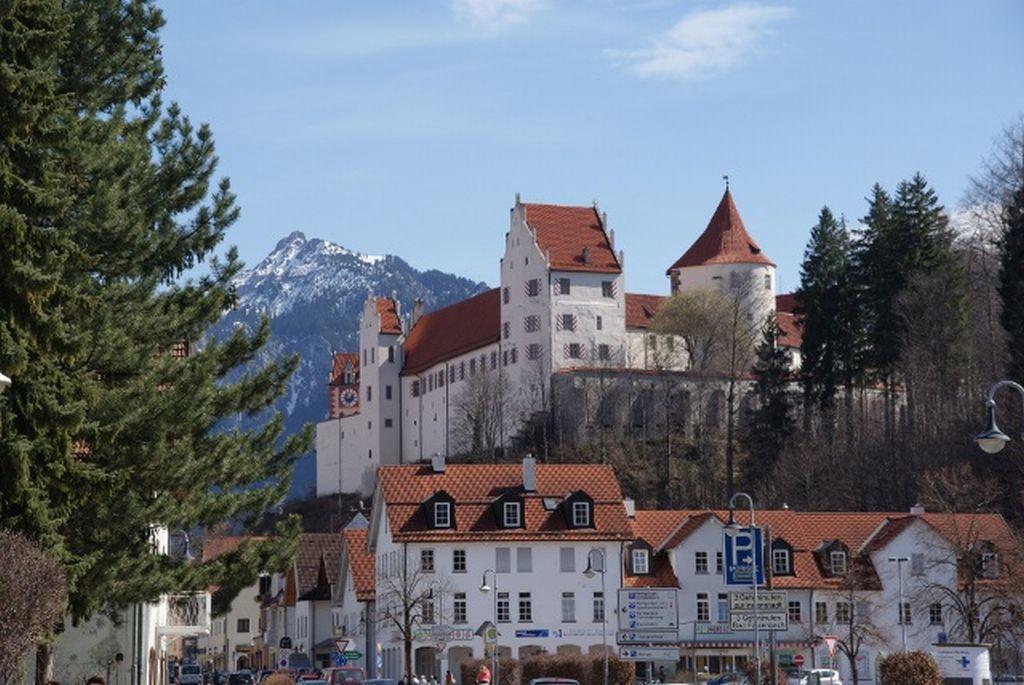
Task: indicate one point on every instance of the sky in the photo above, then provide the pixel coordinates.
(407, 128)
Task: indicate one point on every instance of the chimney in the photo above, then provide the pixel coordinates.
(611, 238)
(417, 311)
(917, 509)
(586, 255)
(630, 506)
(529, 473)
(437, 463)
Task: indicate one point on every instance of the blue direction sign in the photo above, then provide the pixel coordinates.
(744, 555)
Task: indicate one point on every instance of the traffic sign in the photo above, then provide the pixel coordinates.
(769, 621)
(830, 642)
(644, 637)
(649, 653)
(767, 600)
(341, 644)
(744, 555)
(352, 654)
(798, 660)
(648, 609)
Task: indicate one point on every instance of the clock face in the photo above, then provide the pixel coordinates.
(349, 398)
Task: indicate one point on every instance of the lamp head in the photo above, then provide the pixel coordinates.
(732, 528)
(484, 587)
(589, 571)
(992, 439)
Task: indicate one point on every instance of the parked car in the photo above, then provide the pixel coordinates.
(822, 676)
(795, 676)
(190, 674)
(344, 675)
(241, 678)
(554, 681)
(730, 679)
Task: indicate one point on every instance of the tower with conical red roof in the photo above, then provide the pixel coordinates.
(726, 258)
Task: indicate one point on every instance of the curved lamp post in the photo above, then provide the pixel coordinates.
(485, 588)
(992, 439)
(731, 529)
(590, 572)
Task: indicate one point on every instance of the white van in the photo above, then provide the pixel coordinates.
(190, 674)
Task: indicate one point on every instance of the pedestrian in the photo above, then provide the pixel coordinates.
(661, 674)
(483, 675)
(449, 679)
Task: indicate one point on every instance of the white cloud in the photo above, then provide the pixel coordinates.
(705, 43)
(494, 15)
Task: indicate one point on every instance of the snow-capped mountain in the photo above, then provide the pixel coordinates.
(313, 292)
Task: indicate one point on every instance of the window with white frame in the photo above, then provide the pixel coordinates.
(906, 616)
(917, 563)
(459, 607)
(427, 609)
(837, 562)
(564, 286)
(458, 561)
(568, 607)
(935, 614)
(703, 607)
(842, 612)
(503, 559)
(599, 615)
(504, 610)
(568, 322)
(719, 563)
(723, 607)
(581, 514)
(524, 559)
(442, 514)
(525, 608)
(427, 560)
(700, 562)
(820, 613)
(511, 514)
(780, 561)
(607, 288)
(567, 559)
(795, 612)
(641, 559)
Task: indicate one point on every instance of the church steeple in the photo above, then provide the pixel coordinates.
(724, 241)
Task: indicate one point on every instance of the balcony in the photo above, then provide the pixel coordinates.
(187, 614)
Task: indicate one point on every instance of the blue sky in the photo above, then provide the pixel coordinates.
(407, 128)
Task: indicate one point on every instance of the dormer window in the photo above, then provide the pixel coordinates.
(780, 562)
(837, 562)
(581, 514)
(512, 514)
(641, 562)
(990, 564)
(442, 515)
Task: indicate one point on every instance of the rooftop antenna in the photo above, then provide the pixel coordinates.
(725, 177)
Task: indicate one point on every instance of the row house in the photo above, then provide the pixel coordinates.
(561, 306)
(233, 642)
(469, 546)
(353, 606)
(841, 572)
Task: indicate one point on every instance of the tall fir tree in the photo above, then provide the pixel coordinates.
(827, 308)
(1011, 280)
(105, 203)
(772, 422)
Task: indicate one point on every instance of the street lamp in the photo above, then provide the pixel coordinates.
(899, 561)
(485, 588)
(992, 439)
(589, 572)
(732, 529)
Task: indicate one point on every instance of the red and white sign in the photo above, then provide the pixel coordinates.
(830, 642)
(798, 660)
(341, 644)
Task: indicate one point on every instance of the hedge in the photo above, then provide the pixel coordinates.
(587, 669)
(909, 668)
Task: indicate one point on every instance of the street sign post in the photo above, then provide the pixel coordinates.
(768, 601)
(649, 653)
(648, 609)
(769, 621)
(647, 637)
(744, 556)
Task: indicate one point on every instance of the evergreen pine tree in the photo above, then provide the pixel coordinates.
(772, 422)
(1011, 280)
(105, 202)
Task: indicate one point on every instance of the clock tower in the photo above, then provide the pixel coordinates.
(343, 386)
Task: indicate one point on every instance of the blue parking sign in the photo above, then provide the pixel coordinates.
(744, 555)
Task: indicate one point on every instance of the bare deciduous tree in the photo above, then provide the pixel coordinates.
(410, 599)
(483, 403)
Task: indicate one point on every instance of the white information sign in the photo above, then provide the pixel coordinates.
(771, 621)
(643, 637)
(648, 609)
(767, 601)
(649, 653)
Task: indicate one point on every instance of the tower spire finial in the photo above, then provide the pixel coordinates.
(725, 177)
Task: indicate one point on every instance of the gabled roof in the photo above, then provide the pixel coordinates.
(474, 487)
(387, 309)
(453, 330)
(724, 241)
(563, 232)
(654, 526)
(314, 550)
(791, 332)
(641, 309)
(360, 563)
(338, 366)
(214, 546)
(663, 575)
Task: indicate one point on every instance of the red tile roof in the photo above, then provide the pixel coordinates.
(641, 309)
(663, 575)
(474, 487)
(314, 549)
(653, 526)
(387, 309)
(215, 546)
(791, 331)
(724, 241)
(563, 232)
(454, 330)
(361, 563)
(338, 366)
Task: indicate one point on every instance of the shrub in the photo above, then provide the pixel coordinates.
(909, 668)
(587, 669)
(766, 671)
(279, 679)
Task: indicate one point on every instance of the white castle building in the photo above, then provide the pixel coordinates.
(561, 307)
